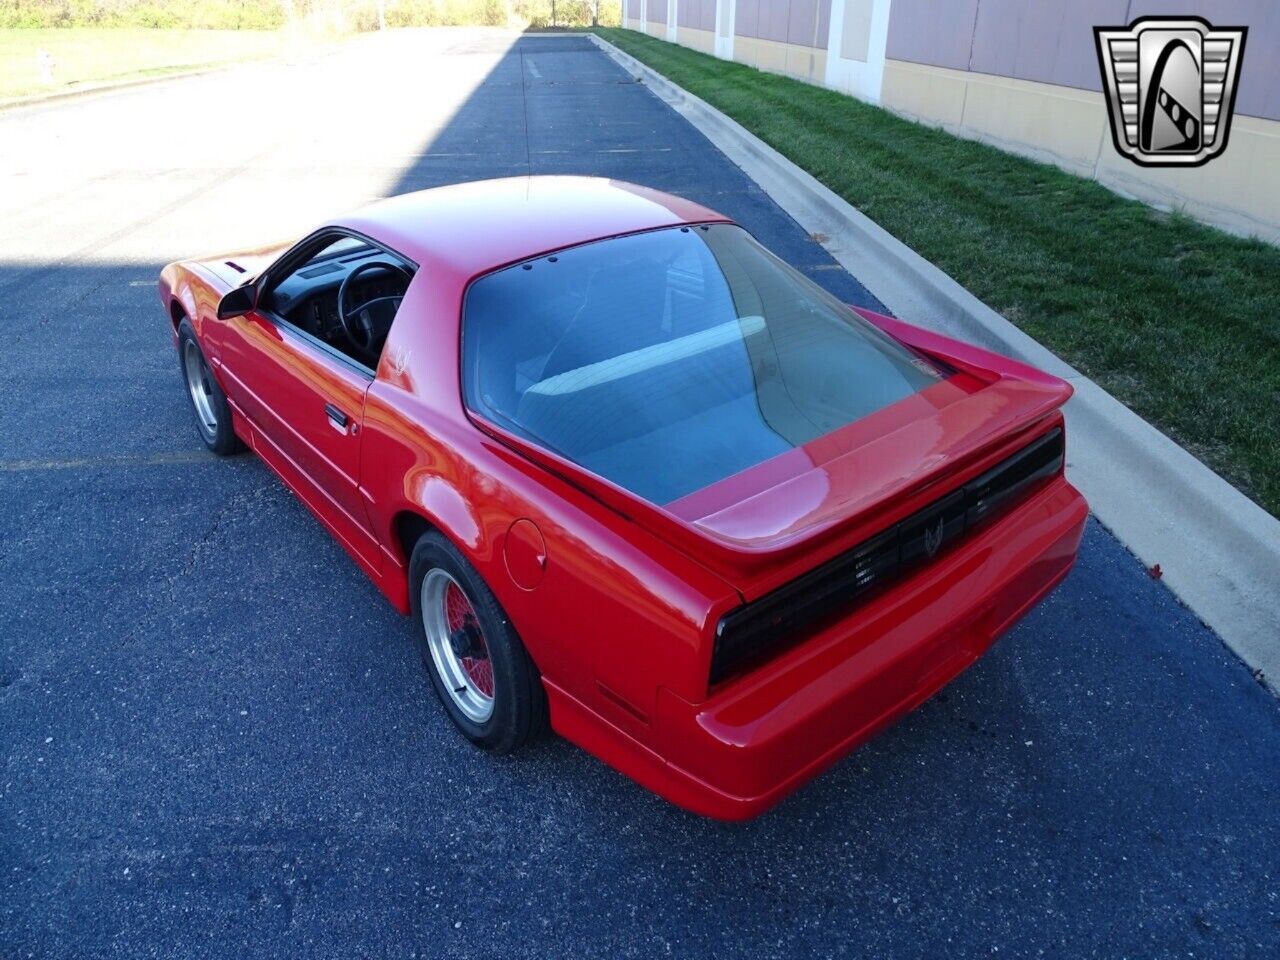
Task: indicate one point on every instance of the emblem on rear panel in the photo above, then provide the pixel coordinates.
(1170, 85)
(933, 537)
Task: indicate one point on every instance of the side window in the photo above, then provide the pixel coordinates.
(345, 293)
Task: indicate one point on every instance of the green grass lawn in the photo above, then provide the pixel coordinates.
(84, 56)
(1178, 320)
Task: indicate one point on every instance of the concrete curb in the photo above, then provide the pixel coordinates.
(1219, 551)
(81, 93)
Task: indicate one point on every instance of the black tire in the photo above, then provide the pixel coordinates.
(519, 708)
(218, 435)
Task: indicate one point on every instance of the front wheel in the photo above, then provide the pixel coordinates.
(481, 671)
(213, 413)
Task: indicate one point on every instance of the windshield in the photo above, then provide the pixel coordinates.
(669, 360)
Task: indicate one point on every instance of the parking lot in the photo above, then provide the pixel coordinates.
(220, 741)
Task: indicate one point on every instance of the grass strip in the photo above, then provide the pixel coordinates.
(85, 56)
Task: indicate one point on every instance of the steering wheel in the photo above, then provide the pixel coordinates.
(365, 323)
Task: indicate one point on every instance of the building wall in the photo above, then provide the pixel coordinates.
(1017, 74)
(696, 24)
(783, 36)
(856, 47)
(1025, 77)
(659, 18)
(697, 14)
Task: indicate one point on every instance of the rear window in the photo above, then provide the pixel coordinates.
(668, 360)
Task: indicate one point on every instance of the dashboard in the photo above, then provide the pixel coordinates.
(308, 298)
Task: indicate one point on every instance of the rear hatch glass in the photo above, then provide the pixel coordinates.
(668, 361)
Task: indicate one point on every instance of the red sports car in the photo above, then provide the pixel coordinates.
(634, 476)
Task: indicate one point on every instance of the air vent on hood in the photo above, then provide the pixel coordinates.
(235, 266)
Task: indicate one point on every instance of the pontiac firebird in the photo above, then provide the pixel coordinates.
(633, 476)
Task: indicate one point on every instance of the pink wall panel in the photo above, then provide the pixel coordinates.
(697, 14)
(1044, 42)
(802, 22)
(1053, 43)
(824, 22)
(925, 31)
(709, 14)
(774, 18)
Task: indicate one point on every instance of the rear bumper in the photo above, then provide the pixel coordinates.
(759, 737)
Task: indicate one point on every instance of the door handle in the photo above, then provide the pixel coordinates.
(337, 419)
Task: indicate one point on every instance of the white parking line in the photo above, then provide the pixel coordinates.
(533, 68)
(126, 460)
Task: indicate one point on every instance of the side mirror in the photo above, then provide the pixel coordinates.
(238, 301)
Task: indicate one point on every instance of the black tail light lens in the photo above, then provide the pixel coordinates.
(783, 615)
(1007, 482)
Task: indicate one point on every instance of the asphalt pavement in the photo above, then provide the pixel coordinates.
(219, 740)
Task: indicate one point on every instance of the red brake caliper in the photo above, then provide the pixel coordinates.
(460, 615)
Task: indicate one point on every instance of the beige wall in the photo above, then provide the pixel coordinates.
(702, 40)
(1238, 191)
(793, 60)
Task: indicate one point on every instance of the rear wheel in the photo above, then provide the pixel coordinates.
(213, 414)
(478, 666)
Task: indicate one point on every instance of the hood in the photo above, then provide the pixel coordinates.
(233, 269)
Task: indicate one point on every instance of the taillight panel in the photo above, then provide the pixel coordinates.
(782, 616)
